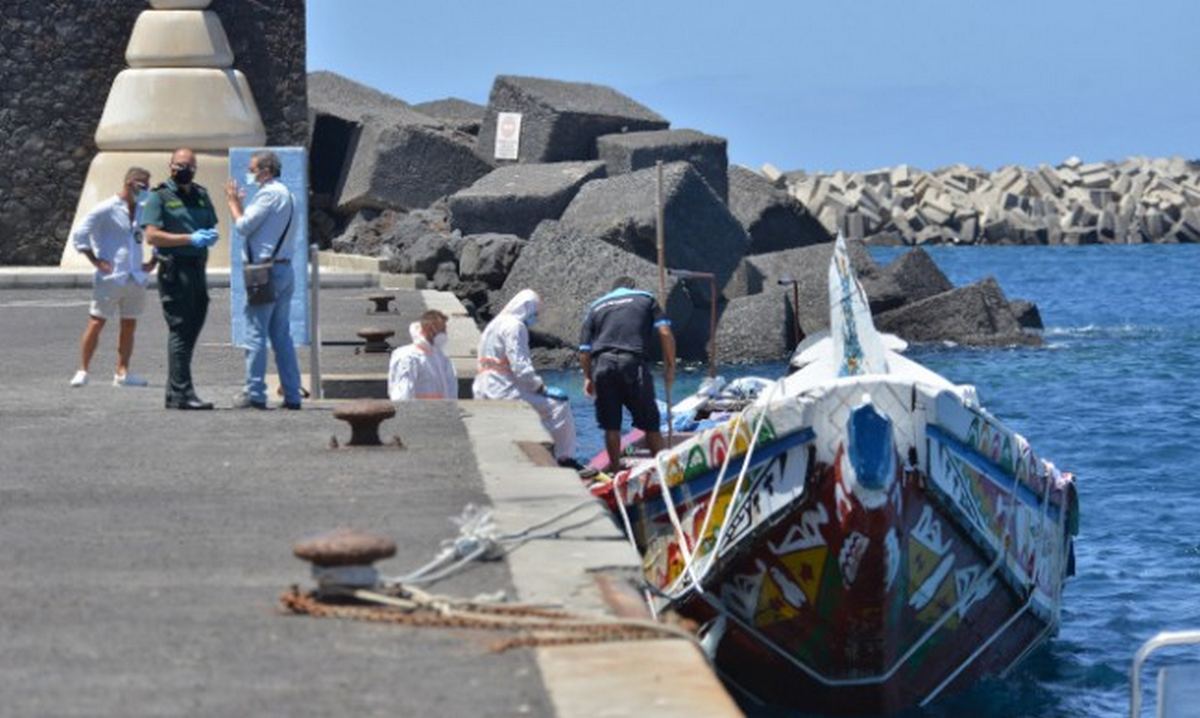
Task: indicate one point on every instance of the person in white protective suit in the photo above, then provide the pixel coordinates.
(421, 370)
(505, 371)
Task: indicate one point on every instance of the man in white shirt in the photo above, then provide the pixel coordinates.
(110, 238)
(268, 224)
(422, 370)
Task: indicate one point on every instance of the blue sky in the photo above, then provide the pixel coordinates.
(819, 86)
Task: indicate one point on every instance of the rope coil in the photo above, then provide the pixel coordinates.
(537, 626)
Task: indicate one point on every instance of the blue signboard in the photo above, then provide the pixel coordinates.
(295, 178)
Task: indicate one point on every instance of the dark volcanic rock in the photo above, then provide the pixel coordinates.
(810, 267)
(428, 253)
(445, 277)
(337, 108)
(977, 314)
(917, 275)
(571, 269)
(515, 198)
(1027, 314)
(489, 257)
(406, 166)
(390, 233)
(333, 95)
(756, 328)
(745, 280)
(774, 219)
(458, 114)
(560, 121)
(555, 358)
(701, 234)
(632, 151)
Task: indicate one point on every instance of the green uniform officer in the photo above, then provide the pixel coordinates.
(179, 219)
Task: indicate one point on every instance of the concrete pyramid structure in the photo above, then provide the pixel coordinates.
(180, 90)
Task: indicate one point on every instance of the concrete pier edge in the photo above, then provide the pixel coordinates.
(661, 677)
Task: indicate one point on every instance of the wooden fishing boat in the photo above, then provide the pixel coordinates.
(859, 536)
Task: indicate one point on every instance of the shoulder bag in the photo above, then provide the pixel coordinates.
(259, 288)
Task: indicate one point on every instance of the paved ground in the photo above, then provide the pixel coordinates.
(144, 549)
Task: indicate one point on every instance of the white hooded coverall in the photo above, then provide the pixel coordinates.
(505, 371)
(421, 371)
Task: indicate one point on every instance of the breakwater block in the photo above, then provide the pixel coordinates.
(701, 234)
(570, 269)
(515, 198)
(759, 327)
(631, 151)
(773, 219)
(561, 120)
(489, 257)
(458, 114)
(977, 314)
(406, 166)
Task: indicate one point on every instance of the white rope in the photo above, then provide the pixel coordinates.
(737, 489)
(557, 517)
(478, 540)
(629, 535)
(716, 490)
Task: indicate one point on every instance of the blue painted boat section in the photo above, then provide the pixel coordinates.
(990, 469)
(703, 484)
(871, 449)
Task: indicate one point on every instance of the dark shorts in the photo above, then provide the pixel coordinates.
(624, 380)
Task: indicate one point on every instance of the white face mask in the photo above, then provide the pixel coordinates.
(440, 340)
(531, 319)
(250, 179)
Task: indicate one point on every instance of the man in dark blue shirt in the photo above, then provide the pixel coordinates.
(613, 349)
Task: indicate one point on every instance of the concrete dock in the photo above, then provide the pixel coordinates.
(145, 549)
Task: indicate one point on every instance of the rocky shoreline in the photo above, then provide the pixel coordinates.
(419, 186)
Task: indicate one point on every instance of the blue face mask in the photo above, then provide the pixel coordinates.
(141, 196)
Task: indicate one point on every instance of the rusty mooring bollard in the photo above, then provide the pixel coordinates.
(364, 417)
(376, 339)
(343, 557)
(381, 302)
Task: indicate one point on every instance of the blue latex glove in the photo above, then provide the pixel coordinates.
(556, 394)
(203, 238)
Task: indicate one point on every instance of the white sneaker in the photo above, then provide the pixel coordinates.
(79, 379)
(128, 379)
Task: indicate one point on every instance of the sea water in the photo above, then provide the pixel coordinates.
(1114, 397)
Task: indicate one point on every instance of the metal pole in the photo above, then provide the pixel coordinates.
(712, 328)
(660, 231)
(796, 312)
(314, 323)
(661, 237)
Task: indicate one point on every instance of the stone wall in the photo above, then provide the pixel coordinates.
(57, 61)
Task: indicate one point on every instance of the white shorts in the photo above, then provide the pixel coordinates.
(125, 300)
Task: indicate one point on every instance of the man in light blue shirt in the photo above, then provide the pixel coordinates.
(110, 238)
(269, 227)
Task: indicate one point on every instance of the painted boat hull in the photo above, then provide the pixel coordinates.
(863, 537)
(829, 596)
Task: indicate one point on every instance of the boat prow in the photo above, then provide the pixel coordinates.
(858, 536)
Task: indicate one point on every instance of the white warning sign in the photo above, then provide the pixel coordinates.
(508, 135)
